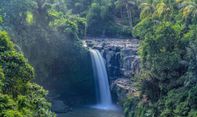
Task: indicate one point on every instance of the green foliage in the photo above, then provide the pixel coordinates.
(6, 103)
(5, 44)
(17, 98)
(12, 113)
(29, 18)
(48, 34)
(160, 52)
(96, 17)
(67, 23)
(1, 19)
(2, 78)
(19, 75)
(143, 27)
(112, 17)
(168, 56)
(106, 21)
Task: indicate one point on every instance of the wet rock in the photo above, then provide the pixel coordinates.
(120, 56)
(122, 87)
(122, 63)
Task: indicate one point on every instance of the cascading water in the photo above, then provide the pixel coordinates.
(101, 80)
(104, 106)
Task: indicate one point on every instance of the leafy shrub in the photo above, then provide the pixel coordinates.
(17, 97)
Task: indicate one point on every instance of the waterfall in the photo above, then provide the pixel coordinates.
(103, 94)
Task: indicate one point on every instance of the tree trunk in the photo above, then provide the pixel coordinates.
(129, 15)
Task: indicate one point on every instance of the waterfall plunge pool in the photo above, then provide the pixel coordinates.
(92, 112)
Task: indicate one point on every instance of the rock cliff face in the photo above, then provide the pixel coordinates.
(121, 60)
(120, 56)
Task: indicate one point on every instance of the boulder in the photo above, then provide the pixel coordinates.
(58, 106)
(122, 87)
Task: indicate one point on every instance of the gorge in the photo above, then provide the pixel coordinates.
(98, 58)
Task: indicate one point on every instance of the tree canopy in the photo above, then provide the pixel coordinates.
(167, 51)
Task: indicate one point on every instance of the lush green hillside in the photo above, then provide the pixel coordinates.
(19, 96)
(167, 83)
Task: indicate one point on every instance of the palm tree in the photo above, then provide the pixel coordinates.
(147, 9)
(163, 10)
(189, 9)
